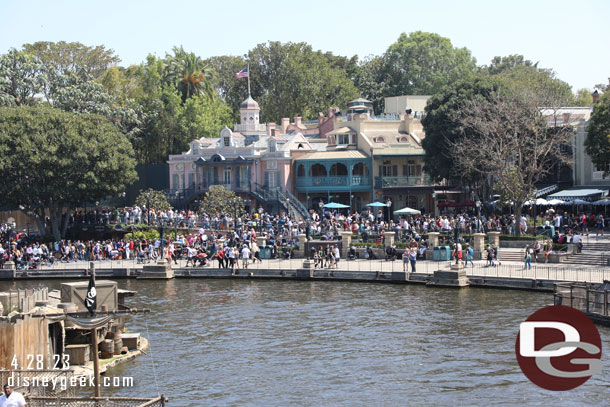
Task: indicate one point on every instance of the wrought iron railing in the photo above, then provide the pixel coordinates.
(389, 182)
(334, 181)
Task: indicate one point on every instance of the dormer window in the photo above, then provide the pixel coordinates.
(402, 140)
(379, 140)
(227, 141)
(272, 146)
(343, 139)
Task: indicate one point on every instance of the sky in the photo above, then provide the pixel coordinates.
(566, 36)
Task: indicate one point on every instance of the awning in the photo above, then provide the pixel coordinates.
(545, 189)
(584, 194)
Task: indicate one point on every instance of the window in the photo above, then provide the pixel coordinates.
(360, 169)
(379, 140)
(388, 170)
(338, 169)
(227, 141)
(343, 139)
(227, 176)
(272, 146)
(272, 165)
(271, 179)
(317, 170)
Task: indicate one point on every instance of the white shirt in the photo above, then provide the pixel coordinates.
(15, 400)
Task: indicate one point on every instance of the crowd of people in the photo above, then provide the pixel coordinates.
(227, 239)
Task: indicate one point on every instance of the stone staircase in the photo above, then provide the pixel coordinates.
(590, 257)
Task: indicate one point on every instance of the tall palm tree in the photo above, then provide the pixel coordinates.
(189, 74)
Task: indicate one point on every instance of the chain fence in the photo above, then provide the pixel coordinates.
(48, 383)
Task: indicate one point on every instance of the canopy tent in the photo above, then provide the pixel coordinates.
(604, 201)
(539, 202)
(335, 205)
(376, 203)
(407, 211)
(587, 194)
(574, 202)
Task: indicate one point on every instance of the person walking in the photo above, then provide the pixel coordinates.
(469, 256)
(405, 259)
(528, 258)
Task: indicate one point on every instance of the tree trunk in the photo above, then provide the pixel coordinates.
(64, 227)
(518, 211)
(55, 214)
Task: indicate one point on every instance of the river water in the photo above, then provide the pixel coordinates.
(289, 343)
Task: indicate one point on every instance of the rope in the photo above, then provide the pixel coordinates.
(152, 361)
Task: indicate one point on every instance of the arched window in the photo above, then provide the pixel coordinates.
(379, 140)
(403, 140)
(301, 170)
(360, 169)
(338, 169)
(317, 170)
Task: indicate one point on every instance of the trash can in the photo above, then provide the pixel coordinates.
(444, 253)
(265, 252)
(436, 253)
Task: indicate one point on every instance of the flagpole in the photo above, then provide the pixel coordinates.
(248, 79)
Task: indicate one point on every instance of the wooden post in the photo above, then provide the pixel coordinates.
(163, 400)
(96, 363)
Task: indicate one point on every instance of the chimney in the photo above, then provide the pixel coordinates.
(270, 127)
(285, 124)
(297, 121)
(408, 118)
(595, 96)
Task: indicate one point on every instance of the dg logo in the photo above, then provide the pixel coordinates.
(559, 348)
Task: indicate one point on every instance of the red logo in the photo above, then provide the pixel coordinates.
(559, 348)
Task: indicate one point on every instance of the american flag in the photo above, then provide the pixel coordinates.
(242, 74)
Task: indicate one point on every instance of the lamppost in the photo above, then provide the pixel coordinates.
(478, 205)
(260, 219)
(434, 205)
(388, 204)
(162, 224)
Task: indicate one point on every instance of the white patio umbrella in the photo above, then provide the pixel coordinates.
(407, 211)
(555, 202)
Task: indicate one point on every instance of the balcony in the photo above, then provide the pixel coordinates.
(354, 181)
(398, 182)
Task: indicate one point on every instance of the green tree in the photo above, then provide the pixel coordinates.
(52, 161)
(514, 144)
(190, 74)
(168, 124)
(22, 78)
(583, 98)
(230, 89)
(499, 64)
(443, 127)
(220, 200)
(291, 79)
(597, 143)
(62, 57)
(153, 199)
(368, 78)
(423, 63)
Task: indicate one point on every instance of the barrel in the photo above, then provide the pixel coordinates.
(118, 345)
(107, 348)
